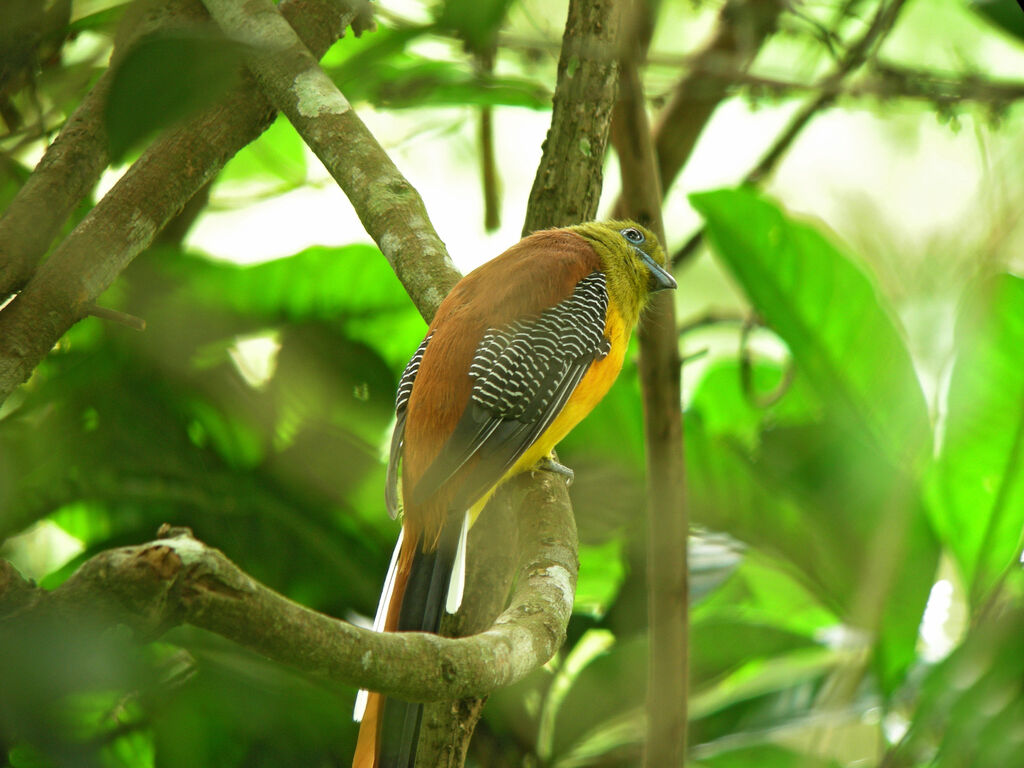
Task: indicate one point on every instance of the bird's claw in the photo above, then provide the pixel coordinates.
(548, 464)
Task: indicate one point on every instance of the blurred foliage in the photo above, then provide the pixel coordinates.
(165, 78)
(828, 491)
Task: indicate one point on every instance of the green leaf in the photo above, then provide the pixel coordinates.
(841, 333)
(278, 153)
(976, 489)
(350, 287)
(762, 591)
(724, 645)
(97, 17)
(601, 575)
(970, 708)
(724, 492)
(824, 501)
(607, 686)
(728, 411)
(165, 78)
(382, 70)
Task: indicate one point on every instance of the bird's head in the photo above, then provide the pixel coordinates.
(634, 262)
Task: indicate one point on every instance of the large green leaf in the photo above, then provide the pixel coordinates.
(383, 71)
(976, 491)
(164, 78)
(841, 333)
(971, 709)
(814, 494)
(350, 287)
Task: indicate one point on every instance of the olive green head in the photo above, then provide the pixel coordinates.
(635, 264)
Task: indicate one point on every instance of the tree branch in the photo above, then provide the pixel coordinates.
(389, 207)
(74, 161)
(567, 187)
(660, 378)
(743, 25)
(883, 21)
(179, 580)
(63, 177)
(149, 195)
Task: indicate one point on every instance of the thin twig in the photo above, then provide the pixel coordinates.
(488, 162)
(123, 318)
(712, 318)
(856, 54)
(754, 397)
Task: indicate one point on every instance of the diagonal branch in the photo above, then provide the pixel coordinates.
(149, 195)
(179, 580)
(74, 161)
(861, 49)
(389, 207)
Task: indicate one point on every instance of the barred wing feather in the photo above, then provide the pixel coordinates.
(392, 496)
(523, 373)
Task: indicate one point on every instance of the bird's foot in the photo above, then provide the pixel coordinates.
(548, 464)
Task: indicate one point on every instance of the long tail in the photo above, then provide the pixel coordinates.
(421, 587)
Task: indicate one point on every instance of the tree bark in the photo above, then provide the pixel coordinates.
(567, 187)
(389, 207)
(149, 195)
(178, 579)
(660, 378)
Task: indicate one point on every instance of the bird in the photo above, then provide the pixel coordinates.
(518, 353)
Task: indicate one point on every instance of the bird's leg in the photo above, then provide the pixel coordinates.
(548, 464)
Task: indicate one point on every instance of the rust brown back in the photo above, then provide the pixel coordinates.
(531, 276)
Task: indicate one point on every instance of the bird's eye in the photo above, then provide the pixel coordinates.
(633, 235)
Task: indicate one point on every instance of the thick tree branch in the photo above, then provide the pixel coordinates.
(178, 579)
(660, 377)
(567, 187)
(149, 195)
(390, 209)
(72, 164)
(74, 161)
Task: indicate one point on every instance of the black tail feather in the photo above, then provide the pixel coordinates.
(421, 611)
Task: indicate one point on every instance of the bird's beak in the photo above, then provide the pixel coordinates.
(659, 278)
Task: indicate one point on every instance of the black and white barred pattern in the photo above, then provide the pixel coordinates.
(409, 376)
(517, 369)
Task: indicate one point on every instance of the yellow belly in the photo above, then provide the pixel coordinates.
(588, 393)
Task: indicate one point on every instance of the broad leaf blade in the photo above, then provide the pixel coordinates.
(828, 312)
(166, 78)
(976, 490)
